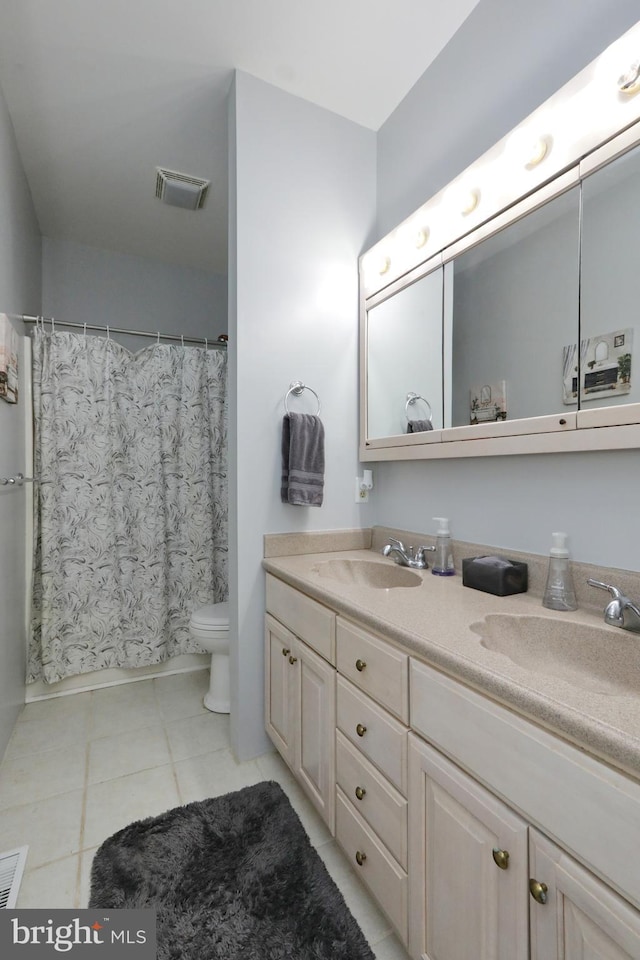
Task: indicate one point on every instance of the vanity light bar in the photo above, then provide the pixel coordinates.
(597, 103)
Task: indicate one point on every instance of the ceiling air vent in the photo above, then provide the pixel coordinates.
(11, 870)
(181, 190)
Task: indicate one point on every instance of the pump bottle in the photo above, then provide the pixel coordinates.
(443, 557)
(559, 593)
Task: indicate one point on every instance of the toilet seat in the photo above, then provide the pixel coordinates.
(212, 617)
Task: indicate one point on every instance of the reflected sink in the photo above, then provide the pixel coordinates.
(368, 573)
(592, 658)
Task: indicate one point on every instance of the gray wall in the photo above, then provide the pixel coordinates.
(302, 207)
(19, 293)
(504, 61)
(84, 284)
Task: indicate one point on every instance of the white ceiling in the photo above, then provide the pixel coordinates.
(100, 92)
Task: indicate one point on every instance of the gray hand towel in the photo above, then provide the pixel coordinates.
(419, 426)
(302, 460)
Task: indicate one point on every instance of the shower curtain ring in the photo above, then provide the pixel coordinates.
(182, 339)
(53, 325)
(108, 335)
(85, 331)
(158, 340)
(206, 344)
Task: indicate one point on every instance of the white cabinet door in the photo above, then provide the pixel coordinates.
(300, 714)
(463, 905)
(280, 688)
(582, 918)
(316, 757)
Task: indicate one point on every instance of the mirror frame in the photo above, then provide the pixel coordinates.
(444, 232)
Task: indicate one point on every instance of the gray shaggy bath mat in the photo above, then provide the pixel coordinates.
(232, 878)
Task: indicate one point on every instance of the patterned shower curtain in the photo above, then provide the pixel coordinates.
(131, 507)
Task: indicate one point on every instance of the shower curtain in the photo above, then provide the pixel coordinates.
(131, 504)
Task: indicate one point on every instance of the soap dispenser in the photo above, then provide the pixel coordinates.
(443, 557)
(559, 593)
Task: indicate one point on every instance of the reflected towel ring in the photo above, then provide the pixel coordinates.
(411, 398)
(296, 388)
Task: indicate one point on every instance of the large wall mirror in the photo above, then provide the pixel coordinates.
(517, 334)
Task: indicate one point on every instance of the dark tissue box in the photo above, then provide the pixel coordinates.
(497, 575)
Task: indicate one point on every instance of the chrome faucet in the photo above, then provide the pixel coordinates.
(620, 611)
(410, 558)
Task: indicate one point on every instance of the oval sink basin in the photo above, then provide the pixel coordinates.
(583, 655)
(368, 573)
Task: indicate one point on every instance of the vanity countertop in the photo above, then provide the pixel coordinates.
(433, 622)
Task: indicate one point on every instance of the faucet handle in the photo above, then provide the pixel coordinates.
(615, 593)
(397, 543)
(420, 552)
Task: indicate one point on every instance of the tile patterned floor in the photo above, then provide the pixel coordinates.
(80, 767)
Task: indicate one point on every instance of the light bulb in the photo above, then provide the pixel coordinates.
(629, 82)
(422, 235)
(470, 201)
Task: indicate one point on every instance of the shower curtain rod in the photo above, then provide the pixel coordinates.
(214, 342)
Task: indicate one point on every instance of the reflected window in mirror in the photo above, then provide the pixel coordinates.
(404, 357)
(610, 284)
(515, 310)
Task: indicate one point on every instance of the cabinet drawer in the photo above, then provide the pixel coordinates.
(381, 738)
(375, 667)
(309, 620)
(380, 804)
(378, 869)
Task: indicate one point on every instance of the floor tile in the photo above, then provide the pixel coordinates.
(213, 774)
(38, 736)
(50, 827)
(390, 948)
(273, 767)
(124, 708)
(26, 779)
(113, 804)
(52, 886)
(193, 736)
(72, 707)
(182, 695)
(316, 828)
(125, 753)
(86, 860)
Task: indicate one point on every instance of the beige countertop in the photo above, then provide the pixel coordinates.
(433, 622)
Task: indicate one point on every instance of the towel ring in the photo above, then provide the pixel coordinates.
(296, 388)
(411, 398)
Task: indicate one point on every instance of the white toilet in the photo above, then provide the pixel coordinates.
(210, 627)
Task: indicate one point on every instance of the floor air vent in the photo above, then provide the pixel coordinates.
(11, 869)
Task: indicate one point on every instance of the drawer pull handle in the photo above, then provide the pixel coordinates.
(538, 891)
(293, 659)
(360, 665)
(285, 652)
(501, 858)
(360, 857)
(360, 792)
(361, 729)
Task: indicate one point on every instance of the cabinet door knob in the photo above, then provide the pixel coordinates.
(360, 792)
(501, 858)
(293, 659)
(360, 857)
(285, 652)
(361, 729)
(360, 665)
(538, 890)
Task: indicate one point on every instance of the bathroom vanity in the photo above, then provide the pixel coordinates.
(491, 808)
